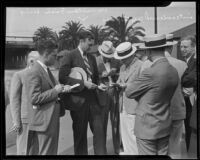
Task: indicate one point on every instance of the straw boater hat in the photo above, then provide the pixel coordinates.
(106, 49)
(155, 41)
(124, 50)
(170, 39)
(78, 73)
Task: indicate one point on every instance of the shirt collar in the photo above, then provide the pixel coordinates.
(43, 65)
(187, 59)
(157, 60)
(80, 50)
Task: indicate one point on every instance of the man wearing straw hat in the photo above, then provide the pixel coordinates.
(128, 72)
(177, 107)
(108, 69)
(19, 104)
(153, 89)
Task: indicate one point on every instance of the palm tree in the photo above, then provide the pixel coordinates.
(98, 33)
(44, 33)
(121, 29)
(68, 37)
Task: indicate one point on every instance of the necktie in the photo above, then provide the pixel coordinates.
(51, 76)
(88, 69)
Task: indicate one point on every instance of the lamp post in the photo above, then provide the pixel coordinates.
(155, 19)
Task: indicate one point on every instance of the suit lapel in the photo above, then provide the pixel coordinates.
(131, 69)
(79, 56)
(190, 60)
(44, 74)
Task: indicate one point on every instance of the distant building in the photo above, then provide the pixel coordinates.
(16, 51)
(178, 34)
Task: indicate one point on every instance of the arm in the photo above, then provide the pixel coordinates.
(140, 85)
(15, 99)
(36, 95)
(65, 69)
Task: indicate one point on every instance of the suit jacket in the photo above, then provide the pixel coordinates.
(177, 107)
(41, 93)
(104, 96)
(128, 75)
(190, 75)
(74, 101)
(18, 97)
(153, 90)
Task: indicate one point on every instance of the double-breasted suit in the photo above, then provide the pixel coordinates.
(153, 90)
(83, 105)
(44, 112)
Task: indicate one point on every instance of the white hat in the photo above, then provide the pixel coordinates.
(170, 39)
(155, 41)
(78, 73)
(124, 50)
(106, 49)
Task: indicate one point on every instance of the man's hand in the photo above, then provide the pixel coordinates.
(17, 128)
(105, 74)
(67, 89)
(112, 72)
(89, 85)
(102, 87)
(59, 88)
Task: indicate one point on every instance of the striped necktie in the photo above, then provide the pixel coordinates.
(88, 68)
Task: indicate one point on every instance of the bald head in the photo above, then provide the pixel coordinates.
(32, 57)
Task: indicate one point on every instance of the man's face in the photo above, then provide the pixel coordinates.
(50, 58)
(186, 48)
(87, 44)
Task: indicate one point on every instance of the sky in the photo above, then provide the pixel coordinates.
(25, 21)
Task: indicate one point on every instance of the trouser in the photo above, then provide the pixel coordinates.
(192, 151)
(153, 147)
(88, 113)
(21, 141)
(112, 107)
(127, 123)
(45, 143)
(175, 139)
(187, 121)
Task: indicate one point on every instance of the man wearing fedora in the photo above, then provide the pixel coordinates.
(83, 104)
(153, 89)
(108, 69)
(128, 72)
(177, 106)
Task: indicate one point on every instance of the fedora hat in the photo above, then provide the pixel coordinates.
(78, 73)
(170, 39)
(124, 50)
(106, 49)
(155, 41)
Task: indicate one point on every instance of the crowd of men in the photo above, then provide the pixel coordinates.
(149, 95)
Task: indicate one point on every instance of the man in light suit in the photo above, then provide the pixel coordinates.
(83, 104)
(19, 104)
(177, 107)
(153, 89)
(43, 96)
(108, 69)
(128, 72)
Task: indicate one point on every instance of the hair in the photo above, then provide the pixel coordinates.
(85, 34)
(191, 38)
(45, 45)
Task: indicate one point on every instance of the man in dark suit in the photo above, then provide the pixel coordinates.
(43, 93)
(108, 69)
(188, 51)
(83, 105)
(153, 89)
